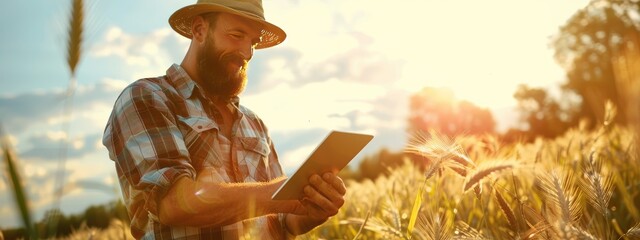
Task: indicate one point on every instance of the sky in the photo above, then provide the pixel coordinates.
(346, 65)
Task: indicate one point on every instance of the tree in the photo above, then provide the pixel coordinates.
(378, 164)
(55, 224)
(586, 46)
(544, 115)
(438, 109)
(97, 216)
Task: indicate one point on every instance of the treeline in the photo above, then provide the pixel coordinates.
(381, 163)
(56, 224)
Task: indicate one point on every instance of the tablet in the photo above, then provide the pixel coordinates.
(333, 154)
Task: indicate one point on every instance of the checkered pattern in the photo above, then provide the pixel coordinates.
(162, 129)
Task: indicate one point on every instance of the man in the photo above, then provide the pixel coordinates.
(194, 163)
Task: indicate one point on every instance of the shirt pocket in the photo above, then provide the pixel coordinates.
(256, 157)
(199, 134)
(198, 124)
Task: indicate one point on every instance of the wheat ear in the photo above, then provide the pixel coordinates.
(562, 194)
(483, 171)
(633, 232)
(74, 42)
(599, 190)
(506, 209)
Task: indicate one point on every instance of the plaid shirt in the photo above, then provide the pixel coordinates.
(162, 129)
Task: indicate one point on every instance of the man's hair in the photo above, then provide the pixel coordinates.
(212, 18)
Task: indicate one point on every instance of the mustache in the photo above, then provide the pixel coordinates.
(234, 58)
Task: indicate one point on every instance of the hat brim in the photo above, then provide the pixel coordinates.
(182, 19)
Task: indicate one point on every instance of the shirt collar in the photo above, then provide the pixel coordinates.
(181, 80)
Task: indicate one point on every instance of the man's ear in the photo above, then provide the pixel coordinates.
(199, 29)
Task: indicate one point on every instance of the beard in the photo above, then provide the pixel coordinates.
(216, 76)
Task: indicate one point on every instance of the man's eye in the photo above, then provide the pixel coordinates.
(236, 36)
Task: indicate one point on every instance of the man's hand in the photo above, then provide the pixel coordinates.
(322, 199)
(324, 196)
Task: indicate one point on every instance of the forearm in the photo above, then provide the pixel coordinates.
(196, 204)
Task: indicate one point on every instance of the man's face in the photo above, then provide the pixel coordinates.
(222, 61)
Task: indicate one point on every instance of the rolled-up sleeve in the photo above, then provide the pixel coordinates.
(147, 147)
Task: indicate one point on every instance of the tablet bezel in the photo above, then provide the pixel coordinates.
(339, 147)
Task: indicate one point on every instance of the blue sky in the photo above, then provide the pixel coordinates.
(346, 64)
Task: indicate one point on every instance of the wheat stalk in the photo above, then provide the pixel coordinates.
(506, 209)
(434, 146)
(484, 170)
(435, 226)
(74, 41)
(633, 232)
(562, 194)
(17, 186)
(442, 151)
(364, 223)
(74, 49)
(445, 153)
(465, 232)
(599, 189)
(417, 204)
(570, 231)
(535, 231)
(380, 226)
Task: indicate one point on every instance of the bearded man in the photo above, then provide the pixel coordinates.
(191, 161)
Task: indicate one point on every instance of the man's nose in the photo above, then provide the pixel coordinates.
(247, 52)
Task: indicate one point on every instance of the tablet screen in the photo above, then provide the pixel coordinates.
(333, 154)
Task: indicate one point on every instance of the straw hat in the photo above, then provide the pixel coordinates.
(181, 20)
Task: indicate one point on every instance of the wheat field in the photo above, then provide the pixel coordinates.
(582, 185)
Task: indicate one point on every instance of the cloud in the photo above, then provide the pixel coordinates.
(315, 105)
(140, 51)
(22, 110)
(45, 109)
(49, 147)
(141, 55)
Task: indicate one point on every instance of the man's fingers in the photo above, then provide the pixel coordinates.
(320, 200)
(314, 210)
(324, 196)
(336, 182)
(327, 189)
